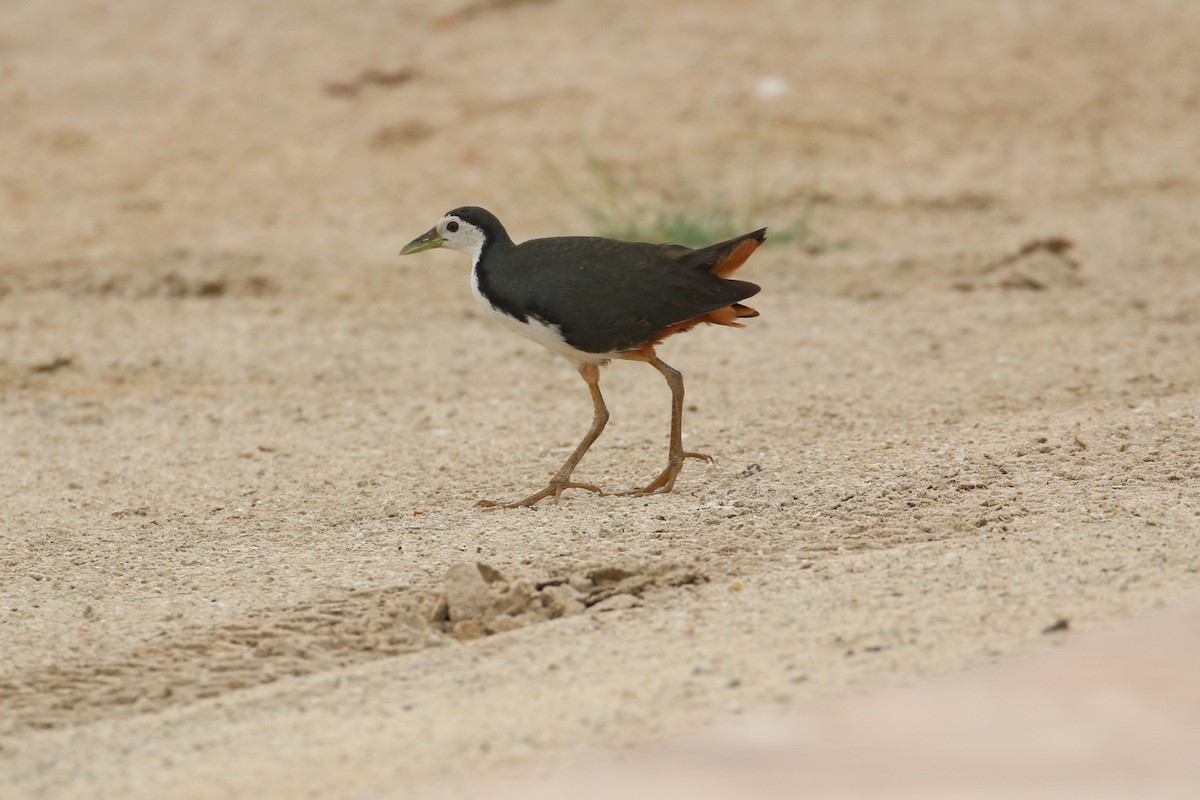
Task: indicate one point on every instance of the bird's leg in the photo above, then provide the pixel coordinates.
(562, 478)
(665, 481)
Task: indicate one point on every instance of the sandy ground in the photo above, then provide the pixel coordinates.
(241, 439)
(1106, 717)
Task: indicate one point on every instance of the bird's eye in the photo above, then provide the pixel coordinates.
(452, 226)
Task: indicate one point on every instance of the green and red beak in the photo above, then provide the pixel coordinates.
(426, 241)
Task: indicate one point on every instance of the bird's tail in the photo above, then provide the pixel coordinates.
(731, 254)
(721, 259)
(726, 315)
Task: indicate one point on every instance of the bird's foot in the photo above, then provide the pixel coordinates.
(554, 489)
(665, 482)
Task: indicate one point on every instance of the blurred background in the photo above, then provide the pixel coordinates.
(241, 438)
(281, 125)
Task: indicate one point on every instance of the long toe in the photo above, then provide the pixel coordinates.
(554, 489)
(654, 487)
(665, 482)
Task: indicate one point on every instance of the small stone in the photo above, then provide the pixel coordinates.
(634, 584)
(504, 624)
(681, 576)
(770, 87)
(580, 583)
(610, 574)
(465, 592)
(515, 599)
(562, 601)
(617, 602)
(490, 574)
(469, 629)
(440, 611)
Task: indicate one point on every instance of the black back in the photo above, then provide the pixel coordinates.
(604, 295)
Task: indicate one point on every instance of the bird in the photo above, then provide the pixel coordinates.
(591, 300)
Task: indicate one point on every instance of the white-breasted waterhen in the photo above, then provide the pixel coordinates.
(591, 300)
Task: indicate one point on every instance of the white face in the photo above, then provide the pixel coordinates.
(461, 236)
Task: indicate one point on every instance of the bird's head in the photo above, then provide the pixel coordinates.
(467, 229)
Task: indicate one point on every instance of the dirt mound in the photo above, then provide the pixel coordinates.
(474, 600)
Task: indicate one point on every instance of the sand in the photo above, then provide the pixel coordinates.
(242, 439)
(1107, 715)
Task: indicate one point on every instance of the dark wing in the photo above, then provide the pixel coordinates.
(722, 259)
(609, 296)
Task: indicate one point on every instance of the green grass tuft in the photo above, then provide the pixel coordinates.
(684, 214)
